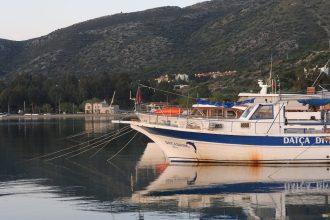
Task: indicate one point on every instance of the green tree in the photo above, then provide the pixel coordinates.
(46, 108)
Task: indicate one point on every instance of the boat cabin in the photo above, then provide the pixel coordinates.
(272, 118)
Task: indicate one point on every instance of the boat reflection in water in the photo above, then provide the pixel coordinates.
(257, 192)
(99, 123)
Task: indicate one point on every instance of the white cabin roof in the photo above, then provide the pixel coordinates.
(283, 96)
(204, 106)
(246, 94)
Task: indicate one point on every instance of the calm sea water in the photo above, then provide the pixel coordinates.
(137, 183)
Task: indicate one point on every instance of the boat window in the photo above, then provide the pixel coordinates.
(247, 112)
(263, 112)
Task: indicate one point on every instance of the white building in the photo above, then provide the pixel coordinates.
(182, 77)
(181, 86)
(100, 108)
(163, 78)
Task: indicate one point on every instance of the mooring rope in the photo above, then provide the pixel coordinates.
(95, 140)
(109, 159)
(86, 142)
(106, 143)
(111, 133)
(82, 148)
(80, 134)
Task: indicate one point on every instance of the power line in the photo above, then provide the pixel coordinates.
(165, 91)
(174, 93)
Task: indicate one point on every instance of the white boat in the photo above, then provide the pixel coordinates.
(263, 134)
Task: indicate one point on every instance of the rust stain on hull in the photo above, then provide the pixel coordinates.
(255, 166)
(255, 158)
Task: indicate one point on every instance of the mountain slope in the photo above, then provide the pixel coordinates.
(215, 35)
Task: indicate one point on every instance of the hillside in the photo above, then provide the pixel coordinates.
(215, 35)
(218, 35)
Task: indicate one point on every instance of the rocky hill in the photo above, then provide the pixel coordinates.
(210, 36)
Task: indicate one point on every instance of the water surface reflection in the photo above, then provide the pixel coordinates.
(256, 192)
(139, 184)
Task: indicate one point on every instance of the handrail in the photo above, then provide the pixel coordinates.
(202, 124)
(212, 119)
(205, 123)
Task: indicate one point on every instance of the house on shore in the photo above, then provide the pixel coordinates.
(100, 108)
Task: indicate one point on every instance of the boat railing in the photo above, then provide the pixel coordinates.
(232, 125)
(200, 123)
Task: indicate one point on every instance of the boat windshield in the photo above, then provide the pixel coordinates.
(247, 112)
(263, 112)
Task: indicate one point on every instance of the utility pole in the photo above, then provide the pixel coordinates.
(24, 107)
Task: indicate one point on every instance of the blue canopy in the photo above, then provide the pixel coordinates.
(314, 102)
(224, 104)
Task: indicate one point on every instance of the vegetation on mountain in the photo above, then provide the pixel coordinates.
(96, 57)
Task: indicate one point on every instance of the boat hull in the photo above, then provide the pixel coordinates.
(185, 148)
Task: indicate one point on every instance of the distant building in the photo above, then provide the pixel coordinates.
(181, 86)
(174, 77)
(216, 74)
(163, 78)
(182, 77)
(100, 108)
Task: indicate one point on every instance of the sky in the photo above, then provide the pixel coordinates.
(26, 19)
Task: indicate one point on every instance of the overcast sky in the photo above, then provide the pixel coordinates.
(25, 19)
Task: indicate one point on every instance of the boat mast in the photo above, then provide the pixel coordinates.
(113, 98)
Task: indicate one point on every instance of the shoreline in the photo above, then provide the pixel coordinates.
(63, 116)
